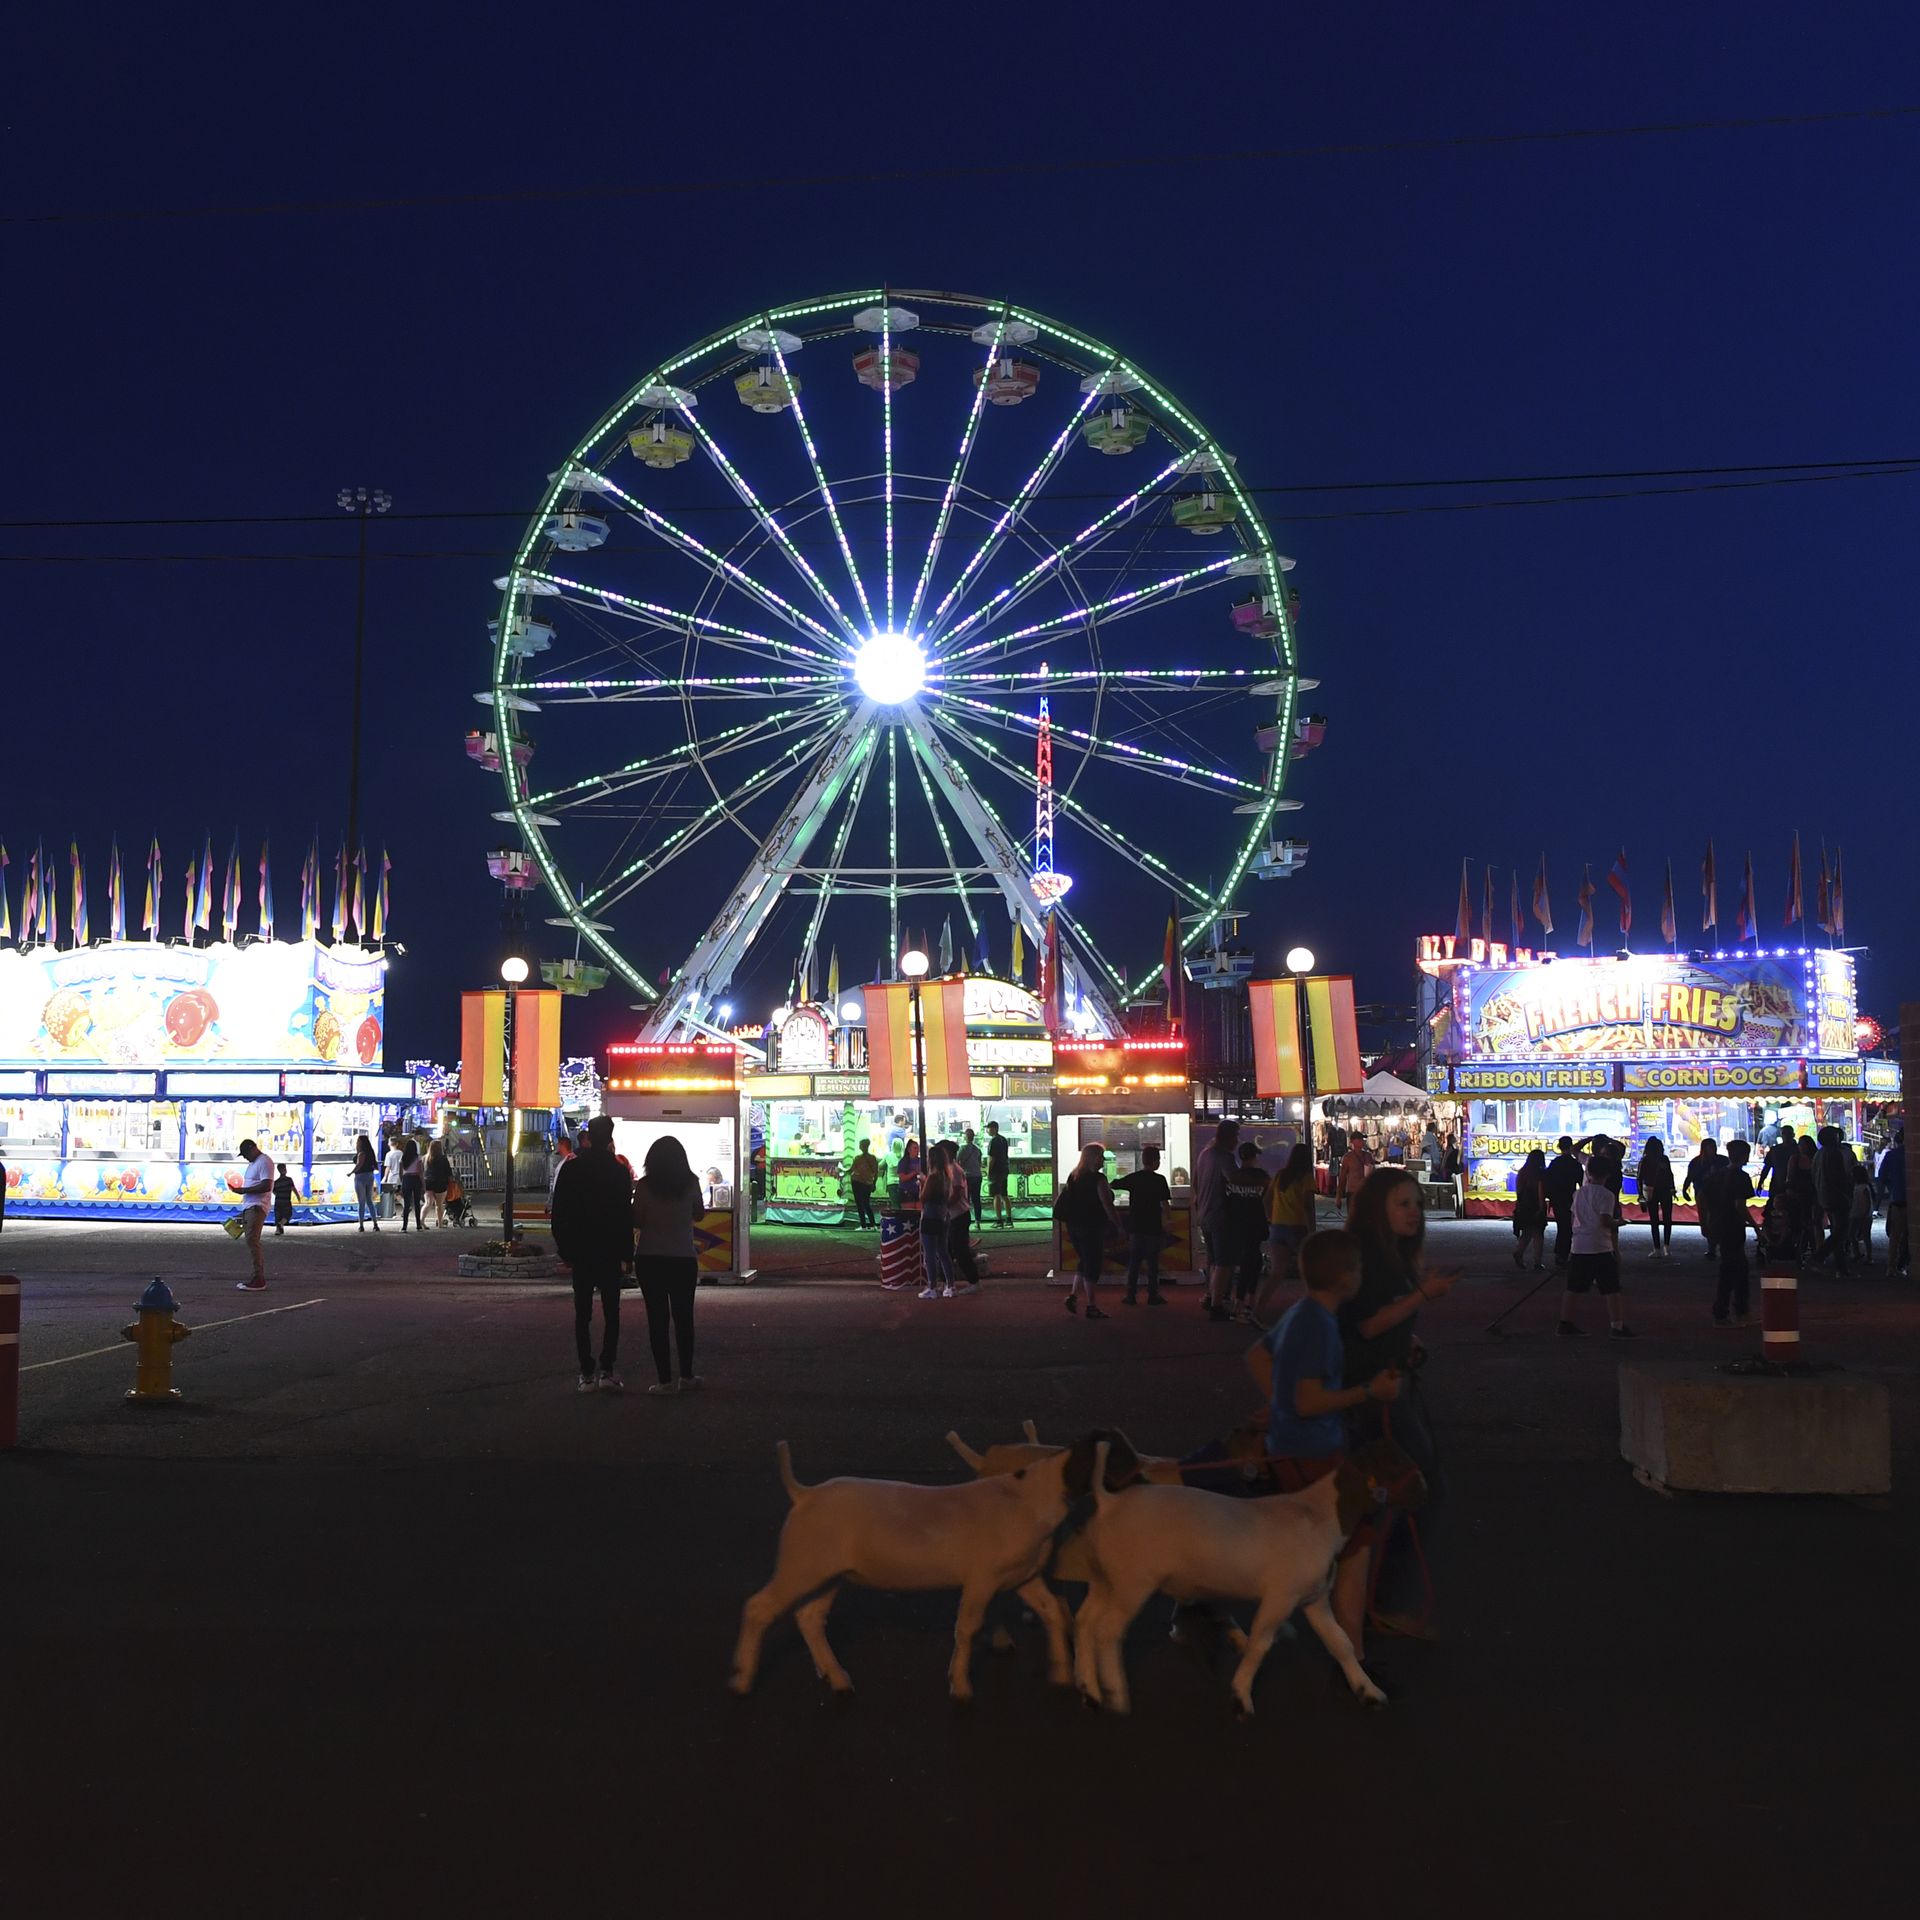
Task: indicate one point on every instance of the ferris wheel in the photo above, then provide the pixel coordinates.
(887, 613)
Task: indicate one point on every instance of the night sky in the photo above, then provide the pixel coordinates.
(1503, 680)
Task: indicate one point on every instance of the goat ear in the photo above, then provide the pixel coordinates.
(965, 1452)
(1123, 1463)
(1031, 1431)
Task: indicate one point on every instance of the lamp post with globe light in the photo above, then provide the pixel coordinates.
(1300, 964)
(913, 963)
(513, 970)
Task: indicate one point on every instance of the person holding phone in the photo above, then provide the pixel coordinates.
(1377, 1325)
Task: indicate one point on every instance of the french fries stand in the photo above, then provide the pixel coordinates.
(691, 1089)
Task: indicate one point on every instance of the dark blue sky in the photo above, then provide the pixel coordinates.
(1565, 677)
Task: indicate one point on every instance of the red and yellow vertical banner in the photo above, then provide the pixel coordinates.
(536, 1048)
(1277, 1068)
(1334, 1036)
(943, 1020)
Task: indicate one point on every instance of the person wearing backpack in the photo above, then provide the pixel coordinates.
(1084, 1212)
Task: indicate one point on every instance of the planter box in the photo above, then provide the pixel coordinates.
(1698, 1430)
(474, 1266)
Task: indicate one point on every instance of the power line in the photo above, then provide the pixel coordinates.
(498, 555)
(1787, 470)
(867, 177)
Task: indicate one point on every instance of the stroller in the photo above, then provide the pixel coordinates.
(459, 1208)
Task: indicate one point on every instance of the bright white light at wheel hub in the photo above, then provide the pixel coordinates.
(890, 668)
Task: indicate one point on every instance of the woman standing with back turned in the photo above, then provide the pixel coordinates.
(666, 1203)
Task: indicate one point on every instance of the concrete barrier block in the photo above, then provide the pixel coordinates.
(1694, 1428)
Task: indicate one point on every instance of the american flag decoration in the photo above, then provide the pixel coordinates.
(899, 1252)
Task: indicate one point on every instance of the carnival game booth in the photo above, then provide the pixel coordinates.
(131, 1071)
(1128, 1094)
(816, 1099)
(691, 1089)
(1721, 1046)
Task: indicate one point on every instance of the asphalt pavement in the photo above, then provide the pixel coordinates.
(384, 1618)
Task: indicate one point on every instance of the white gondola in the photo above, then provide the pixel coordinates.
(1280, 861)
(662, 395)
(1010, 333)
(574, 532)
(540, 589)
(763, 340)
(886, 319)
(526, 636)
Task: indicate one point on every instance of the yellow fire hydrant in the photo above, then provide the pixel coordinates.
(153, 1335)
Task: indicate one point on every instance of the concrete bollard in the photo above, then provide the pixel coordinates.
(1780, 1317)
(9, 1361)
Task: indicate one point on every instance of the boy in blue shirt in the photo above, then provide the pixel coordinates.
(1299, 1364)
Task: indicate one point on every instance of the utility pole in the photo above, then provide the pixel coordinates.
(363, 504)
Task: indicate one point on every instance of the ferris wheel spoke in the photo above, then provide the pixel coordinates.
(657, 766)
(1186, 772)
(611, 691)
(651, 613)
(1217, 682)
(721, 809)
(1081, 814)
(957, 478)
(919, 753)
(1114, 607)
(1105, 526)
(716, 564)
(830, 877)
(770, 522)
(819, 474)
(1021, 501)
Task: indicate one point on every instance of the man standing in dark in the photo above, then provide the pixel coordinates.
(1728, 1198)
(1779, 1160)
(593, 1234)
(1833, 1185)
(1562, 1183)
(1704, 1171)
(997, 1168)
(969, 1158)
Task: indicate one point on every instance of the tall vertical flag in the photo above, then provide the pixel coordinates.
(30, 900)
(1173, 971)
(1463, 914)
(1051, 999)
(1018, 963)
(6, 925)
(833, 953)
(1839, 900)
(1542, 907)
(230, 898)
(360, 891)
(1823, 900)
(203, 907)
(266, 895)
(1514, 918)
(116, 895)
(150, 921)
(340, 893)
(1486, 905)
(1796, 905)
(946, 945)
(310, 891)
(79, 895)
(1333, 1036)
(943, 1024)
(1709, 894)
(1747, 921)
(1617, 880)
(186, 923)
(49, 904)
(1584, 937)
(1669, 924)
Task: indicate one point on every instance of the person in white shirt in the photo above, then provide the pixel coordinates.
(256, 1189)
(390, 1176)
(1596, 1249)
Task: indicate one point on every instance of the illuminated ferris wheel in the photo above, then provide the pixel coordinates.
(889, 611)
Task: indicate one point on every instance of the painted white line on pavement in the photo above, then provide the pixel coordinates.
(205, 1326)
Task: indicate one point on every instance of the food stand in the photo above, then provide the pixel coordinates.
(691, 1089)
(1127, 1094)
(131, 1071)
(1679, 1047)
(812, 1110)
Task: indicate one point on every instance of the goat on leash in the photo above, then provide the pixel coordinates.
(1194, 1545)
(982, 1536)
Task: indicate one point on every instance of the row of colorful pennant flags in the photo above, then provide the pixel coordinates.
(1829, 910)
(361, 897)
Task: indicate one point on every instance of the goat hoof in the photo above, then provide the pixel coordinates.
(1374, 1702)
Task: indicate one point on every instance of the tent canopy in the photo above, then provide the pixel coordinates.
(1386, 1086)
